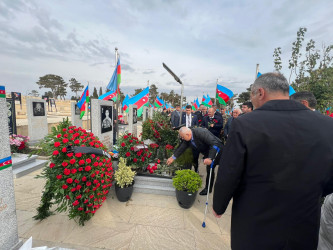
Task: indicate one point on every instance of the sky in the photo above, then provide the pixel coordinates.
(203, 42)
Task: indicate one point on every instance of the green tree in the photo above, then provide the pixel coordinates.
(34, 93)
(49, 94)
(244, 96)
(277, 59)
(152, 93)
(95, 94)
(53, 82)
(100, 91)
(75, 86)
(136, 91)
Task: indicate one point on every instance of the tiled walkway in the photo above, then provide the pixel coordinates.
(147, 221)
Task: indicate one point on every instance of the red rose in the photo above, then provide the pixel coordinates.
(100, 164)
(70, 131)
(52, 165)
(75, 203)
(91, 196)
(70, 155)
(154, 167)
(57, 144)
(80, 169)
(66, 135)
(58, 135)
(84, 178)
(72, 161)
(64, 164)
(88, 183)
(86, 201)
(92, 175)
(64, 150)
(132, 148)
(88, 160)
(78, 197)
(93, 155)
(64, 129)
(129, 134)
(80, 208)
(64, 186)
(78, 155)
(158, 161)
(130, 141)
(67, 197)
(151, 171)
(123, 144)
(59, 176)
(78, 187)
(95, 164)
(142, 159)
(76, 141)
(73, 190)
(87, 168)
(139, 153)
(76, 181)
(81, 162)
(69, 180)
(125, 136)
(135, 160)
(55, 152)
(67, 171)
(95, 181)
(73, 171)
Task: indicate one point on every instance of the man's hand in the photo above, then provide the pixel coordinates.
(215, 214)
(207, 161)
(169, 161)
(211, 125)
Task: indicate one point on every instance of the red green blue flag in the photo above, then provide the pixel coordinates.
(2, 92)
(207, 102)
(83, 100)
(111, 95)
(158, 102)
(115, 79)
(223, 94)
(5, 163)
(291, 90)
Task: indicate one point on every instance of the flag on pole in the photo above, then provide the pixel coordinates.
(125, 103)
(223, 94)
(291, 90)
(109, 95)
(208, 102)
(158, 102)
(203, 99)
(83, 100)
(259, 74)
(140, 100)
(116, 78)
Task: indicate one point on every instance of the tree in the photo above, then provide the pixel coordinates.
(136, 91)
(94, 95)
(152, 93)
(61, 91)
(53, 82)
(100, 91)
(277, 59)
(49, 94)
(75, 86)
(244, 96)
(34, 93)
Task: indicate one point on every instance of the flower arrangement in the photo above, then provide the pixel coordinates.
(124, 175)
(76, 182)
(18, 143)
(187, 180)
(213, 121)
(136, 153)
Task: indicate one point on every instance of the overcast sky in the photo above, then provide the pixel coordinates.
(201, 41)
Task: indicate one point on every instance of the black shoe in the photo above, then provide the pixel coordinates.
(203, 192)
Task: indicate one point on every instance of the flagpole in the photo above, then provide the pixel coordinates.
(257, 71)
(217, 80)
(117, 96)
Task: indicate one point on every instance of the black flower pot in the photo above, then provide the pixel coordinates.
(185, 199)
(125, 193)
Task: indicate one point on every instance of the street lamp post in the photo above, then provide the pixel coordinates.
(181, 92)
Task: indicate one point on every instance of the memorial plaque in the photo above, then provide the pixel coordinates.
(106, 120)
(11, 116)
(38, 108)
(135, 115)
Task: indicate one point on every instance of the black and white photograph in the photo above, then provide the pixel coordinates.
(106, 120)
(77, 110)
(38, 108)
(135, 115)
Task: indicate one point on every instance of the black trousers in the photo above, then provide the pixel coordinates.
(195, 159)
(216, 162)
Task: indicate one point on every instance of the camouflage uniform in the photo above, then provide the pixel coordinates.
(225, 119)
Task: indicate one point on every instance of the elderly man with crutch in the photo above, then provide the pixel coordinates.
(204, 142)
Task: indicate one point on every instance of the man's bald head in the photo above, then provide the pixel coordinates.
(185, 133)
(211, 112)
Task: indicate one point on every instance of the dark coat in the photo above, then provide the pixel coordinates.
(204, 141)
(194, 121)
(175, 118)
(216, 130)
(227, 126)
(199, 116)
(276, 165)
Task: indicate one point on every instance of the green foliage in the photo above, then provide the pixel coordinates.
(187, 180)
(245, 96)
(277, 59)
(185, 158)
(34, 93)
(75, 86)
(55, 83)
(95, 94)
(124, 175)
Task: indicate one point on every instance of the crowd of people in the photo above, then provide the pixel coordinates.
(275, 158)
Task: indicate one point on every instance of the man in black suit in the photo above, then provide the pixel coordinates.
(201, 140)
(277, 164)
(213, 122)
(175, 117)
(200, 114)
(306, 98)
(189, 119)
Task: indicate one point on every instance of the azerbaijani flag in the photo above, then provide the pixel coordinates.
(2, 92)
(203, 99)
(83, 100)
(140, 100)
(328, 110)
(158, 102)
(195, 104)
(109, 95)
(259, 74)
(116, 78)
(223, 94)
(291, 90)
(125, 103)
(5, 162)
(208, 102)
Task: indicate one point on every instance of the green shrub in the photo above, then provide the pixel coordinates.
(124, 175)
(187, 180)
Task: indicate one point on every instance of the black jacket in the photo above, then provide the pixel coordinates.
(276, 165)
(216, 130)
(204, 141)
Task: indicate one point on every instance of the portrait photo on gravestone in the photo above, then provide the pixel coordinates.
(135, 115)
(106, 121)
(38, 108)
(77, 110)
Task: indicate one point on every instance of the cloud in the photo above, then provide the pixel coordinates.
(126, 67)
(148, 72)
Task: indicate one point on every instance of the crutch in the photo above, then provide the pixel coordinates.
(210, 176)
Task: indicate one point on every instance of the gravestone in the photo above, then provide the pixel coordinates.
(102, 121)
(11, 114)
(145, 113)
(37, 119)
(151, 113)
(133, 120)
(75, 114)
(8, 222)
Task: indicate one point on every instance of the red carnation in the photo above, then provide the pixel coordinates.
(72, 161)
(84, 178)
(80, 169)
(64, 186)
(88, 160)
(81, 162)
(73, 190)
(123, 144)
(154, 167)
(78, 155)
(64, 150)
(73, 171)
(130, 141)
(55, 152)
(64, 129)
(52, 165)
(58, 135)
(65, 135)
(87, 168)
(57, 144)
(151, 171)
(135, 160)
(75, 203)
(76, 181)
(80, 208)
(69, 180)
(59, 176)
(67, 197)
(142, 159)
(78, 187)
(67, 171)
(95, 164)
(64, 164)
(93, 155)
(88, 183)
(132, 148)
(76, 141)
(70, 155)
(65, 140)
(125, 136)
(158, 161)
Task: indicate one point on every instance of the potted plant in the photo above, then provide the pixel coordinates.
(124, 177)
(187, 184)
